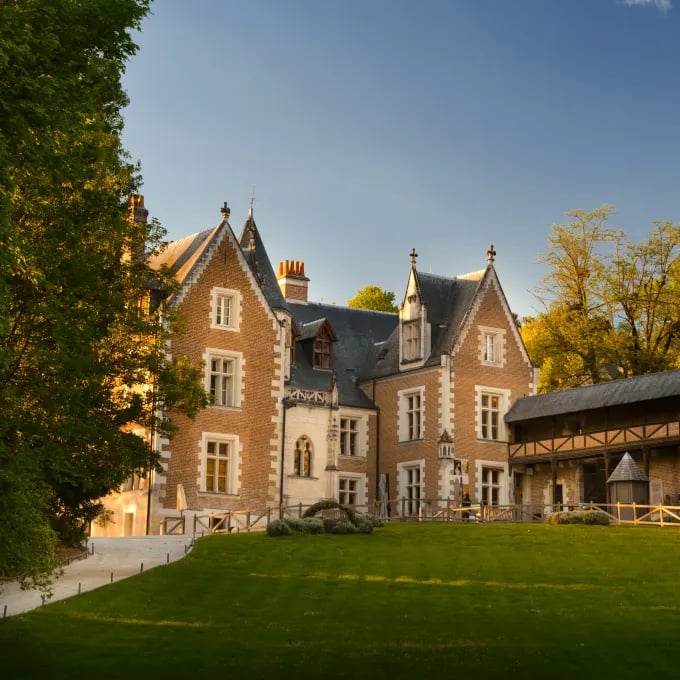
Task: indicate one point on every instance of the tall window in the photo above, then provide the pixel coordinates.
(413, 415)
(225, 309)
(491, 485)
(490, 415)
(413, 489)
(410, 414)
(349, 430)
(411, 340)
(492, 348)
(323, 350)
(302, 462)
(348, 491)
(217, 466)
(222, 381)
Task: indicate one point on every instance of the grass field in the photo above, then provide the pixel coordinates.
(410, 601)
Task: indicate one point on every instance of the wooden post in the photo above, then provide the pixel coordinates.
(634, 514)
(553, 466)
(645, 459)
(606, 477)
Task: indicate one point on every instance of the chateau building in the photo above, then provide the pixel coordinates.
(314, 401)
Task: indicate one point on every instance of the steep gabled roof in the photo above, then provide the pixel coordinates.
(357, 331)
(256, 255)
(614, 393)
(447, 301)
(180, 257)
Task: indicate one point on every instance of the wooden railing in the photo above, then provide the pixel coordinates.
(442, 510)
(635, 513)
(606, 439)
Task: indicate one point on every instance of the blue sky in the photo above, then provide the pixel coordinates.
(369, 127)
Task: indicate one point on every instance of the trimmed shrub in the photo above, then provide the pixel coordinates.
(579, 517)
(278, 527)
(364, 524)
(344, 527)
(312, 525)
(565, 517)
(595, 517)
(373, 520)
(329, 524)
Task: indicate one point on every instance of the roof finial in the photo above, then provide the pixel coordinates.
(414, 256)
(252, 200)
(225, 210)
(491, 254)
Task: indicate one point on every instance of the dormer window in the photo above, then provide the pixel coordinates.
(323, 350)
(411, 340)
(316, 340)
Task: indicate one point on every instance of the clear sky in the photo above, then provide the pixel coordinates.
(369, 127)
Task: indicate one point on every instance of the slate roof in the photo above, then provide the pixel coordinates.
(357, 331)
(614, 393)
(447, 301)
(259, 262)
(181, 256)
(627, 471)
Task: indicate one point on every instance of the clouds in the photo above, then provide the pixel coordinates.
(662, 5)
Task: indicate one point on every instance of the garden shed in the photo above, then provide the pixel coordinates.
(628, 484)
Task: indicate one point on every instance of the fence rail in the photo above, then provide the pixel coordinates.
(437, 510)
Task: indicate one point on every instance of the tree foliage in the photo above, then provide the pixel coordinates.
(610, 304)
(73, 343)
(373, 297)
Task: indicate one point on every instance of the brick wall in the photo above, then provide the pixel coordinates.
(256, 421)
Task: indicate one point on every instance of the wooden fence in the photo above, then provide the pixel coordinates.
(425, 510)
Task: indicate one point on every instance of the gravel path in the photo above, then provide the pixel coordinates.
(121, 557)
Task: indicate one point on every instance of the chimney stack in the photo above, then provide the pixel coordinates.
(138, 218)
(292, 280)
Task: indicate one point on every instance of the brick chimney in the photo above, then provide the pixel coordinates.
(292, 280)
(137, 217)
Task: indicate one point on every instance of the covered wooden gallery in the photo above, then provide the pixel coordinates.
(564, 446)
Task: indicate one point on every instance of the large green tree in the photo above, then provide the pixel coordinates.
(609, 304)
(373, 297)
(73, 342)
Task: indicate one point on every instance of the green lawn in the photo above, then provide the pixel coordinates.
(410, 601)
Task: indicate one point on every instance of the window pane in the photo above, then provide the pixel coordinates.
(210, 474)
(222, 476)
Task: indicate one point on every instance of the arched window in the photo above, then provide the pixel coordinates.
(303, 457)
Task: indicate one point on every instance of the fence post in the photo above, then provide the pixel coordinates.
(300, 510)
(211, 524)
(248, 521)
(403, 507)
(618, 512)
(448, 509)
(634, 514)
(194, 525)
(269, 516)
